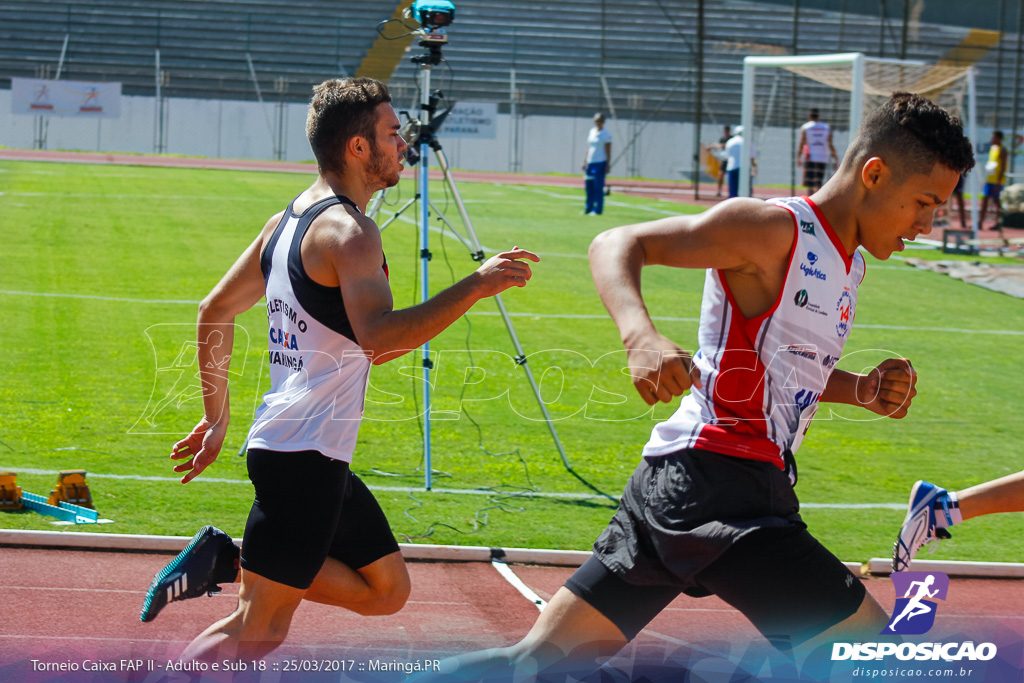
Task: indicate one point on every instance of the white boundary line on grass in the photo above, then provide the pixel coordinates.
(463, 492)
(519, 314)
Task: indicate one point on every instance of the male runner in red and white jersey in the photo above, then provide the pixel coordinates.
(711, 508)
(315, 531)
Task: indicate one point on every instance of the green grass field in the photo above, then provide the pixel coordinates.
(102, 266)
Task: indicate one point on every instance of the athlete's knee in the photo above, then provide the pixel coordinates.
(391, 601)
(388, 595)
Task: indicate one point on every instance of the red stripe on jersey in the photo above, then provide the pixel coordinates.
(727, 441)
(738, 392)
(738, 395)
(830, 231)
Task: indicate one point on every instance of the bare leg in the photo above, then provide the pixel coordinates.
(378, 588)
(863, 625)
(1005, 494)
(984, 210)
(265, 608)
(568, 632)
(258, 625)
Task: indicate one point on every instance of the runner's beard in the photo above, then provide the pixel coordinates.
(381, 169)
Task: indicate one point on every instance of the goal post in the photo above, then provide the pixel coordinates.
(869, 81)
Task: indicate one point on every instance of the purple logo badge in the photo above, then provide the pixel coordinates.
(914, 613)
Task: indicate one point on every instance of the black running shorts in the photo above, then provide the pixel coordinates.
(814, 173)
(702, 523)
(310, 507)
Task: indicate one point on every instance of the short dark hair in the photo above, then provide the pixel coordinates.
(814, 113)
(911, 133)
(341, 109)
(998, 134)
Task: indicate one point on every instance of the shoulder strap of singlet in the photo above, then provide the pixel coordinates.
(305, 218)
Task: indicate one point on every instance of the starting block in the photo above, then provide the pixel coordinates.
(10, 492)
(71, 488)
(70, 502)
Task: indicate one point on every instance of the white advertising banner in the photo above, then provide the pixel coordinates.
(471, 120)
(40, 97)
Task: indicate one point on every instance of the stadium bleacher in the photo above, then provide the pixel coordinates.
(646, 50)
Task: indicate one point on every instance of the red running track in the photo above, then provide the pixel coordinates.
(73, 607)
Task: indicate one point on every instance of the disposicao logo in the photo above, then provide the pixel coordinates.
(914, 614)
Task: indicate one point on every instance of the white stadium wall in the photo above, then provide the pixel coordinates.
(232, 129)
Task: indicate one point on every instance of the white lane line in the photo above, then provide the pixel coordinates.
(171, 197)
(576, 198)
(565, 316)
(518, 584)
(64, 589)
(952, 330)
(463, 492)
(683, 643)
(91, 297)
(57, 589)
(394, 489)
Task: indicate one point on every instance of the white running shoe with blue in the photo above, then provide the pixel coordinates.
(919, 526)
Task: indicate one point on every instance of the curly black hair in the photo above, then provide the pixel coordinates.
(911, 133)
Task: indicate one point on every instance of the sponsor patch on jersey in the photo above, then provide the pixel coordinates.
(809, 270)
(808, 352)
(807, 227)
(845, 309)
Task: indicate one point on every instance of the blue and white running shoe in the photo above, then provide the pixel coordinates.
(919, 527)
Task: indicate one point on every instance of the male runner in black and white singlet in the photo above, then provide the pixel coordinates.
(711, 509)
(314, 532)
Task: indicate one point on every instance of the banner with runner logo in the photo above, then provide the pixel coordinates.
(41, 97)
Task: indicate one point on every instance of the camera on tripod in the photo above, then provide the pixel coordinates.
(415, 131)
(433, 14)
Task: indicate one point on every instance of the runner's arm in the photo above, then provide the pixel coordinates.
(386, 333)
(240, 289)
(887, 390)
(744, 236)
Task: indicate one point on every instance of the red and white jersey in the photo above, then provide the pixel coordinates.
(318, 371)
(762, 378)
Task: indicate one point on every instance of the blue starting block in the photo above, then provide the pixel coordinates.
(70, 501)
(66, 512)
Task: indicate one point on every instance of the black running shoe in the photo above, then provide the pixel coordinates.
(210, 558)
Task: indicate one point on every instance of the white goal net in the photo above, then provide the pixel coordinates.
(869, 82)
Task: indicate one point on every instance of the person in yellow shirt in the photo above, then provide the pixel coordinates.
(996, 178)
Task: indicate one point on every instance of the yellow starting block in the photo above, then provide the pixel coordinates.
(10, 492)
(70, 502)
(71, 488)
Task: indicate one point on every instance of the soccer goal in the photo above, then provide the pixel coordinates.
(870, 81)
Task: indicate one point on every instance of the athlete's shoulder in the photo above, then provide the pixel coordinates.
(763, 231)
(344, 230)
(773, 216)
